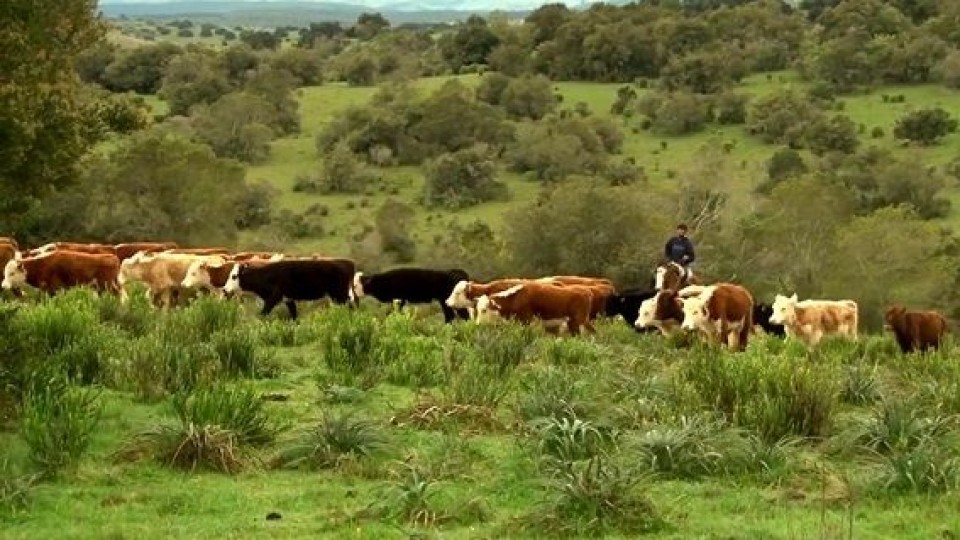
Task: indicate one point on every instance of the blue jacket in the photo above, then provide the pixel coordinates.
(679, 249)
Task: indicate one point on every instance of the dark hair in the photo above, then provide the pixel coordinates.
(682, 227)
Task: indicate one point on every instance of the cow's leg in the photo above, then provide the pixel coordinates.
(448, 314)
(269, 303)
(291, 308)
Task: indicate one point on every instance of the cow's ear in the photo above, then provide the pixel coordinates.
(794, 298)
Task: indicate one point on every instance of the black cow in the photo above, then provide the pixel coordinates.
(292, 280)
(413, 285)
(761, 318)
(627, 305)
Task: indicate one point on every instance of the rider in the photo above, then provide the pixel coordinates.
(679, 249)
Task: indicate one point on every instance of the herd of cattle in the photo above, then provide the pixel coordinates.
(724, 313)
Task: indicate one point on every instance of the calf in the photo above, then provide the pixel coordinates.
(722, 312)
(543, 301)
(291, 280)
(59, 270)
(626, 305)
(663, 311)
(761, 318)
(163, 273)
(810, 320)
(413, 285)
(915, 330)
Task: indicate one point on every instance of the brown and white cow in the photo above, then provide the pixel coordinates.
(547, 302)
(810, 320)
(76, 247)
(58, 270)
(256, 255)
(129, 249)
(466, 293)
(722, 312)
(663, 311)
(212, 275)
(199, 251)
(163, 273)
(915, 330)
(10, 240)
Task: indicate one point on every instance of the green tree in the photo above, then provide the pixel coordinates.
(676, 113)
(949, 70)
(159, 186)
(192, 78)
(237, 126)
(342, 172)
(925, 126)
(369, 25)
(304, 64)
(470, 44)
(703, 72)
(91, 64)
(780, 117)
(140, 69)
(835, 134)
(784, 164)
(528, 97)
(491, 88)
(464, 178)
(260, 39)
(122, 113)
(454, 120)
(44, 126)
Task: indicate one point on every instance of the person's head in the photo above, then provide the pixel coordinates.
(681, 230)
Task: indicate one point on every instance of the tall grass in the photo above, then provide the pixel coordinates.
(157, 366)
(57, 422)
(335, 441)
(350, 349)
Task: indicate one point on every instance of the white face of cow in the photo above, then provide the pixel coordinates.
(695, 313)
(14, 275)
(233, 281)
(357, 287)
(486, 310)
(647, 314)
(458, 297)
(659, 276)
(783, 309)
(198, 275)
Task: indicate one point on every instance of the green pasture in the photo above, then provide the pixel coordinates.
(480, 431)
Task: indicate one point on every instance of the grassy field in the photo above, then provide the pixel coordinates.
(661, 157)
(462, 431)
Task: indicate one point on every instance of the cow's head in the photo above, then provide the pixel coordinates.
(647, 313)
(458, 298)
(695, 313)
(198, 275)
(784, 309)
(488, 310)
(232, 286)
(14, 275)
(892, 315)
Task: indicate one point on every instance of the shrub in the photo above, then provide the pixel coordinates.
(474, 380)
(350, 350)
(462, 179)
(929, 467)
(597, 497)
(57, 422)
(335, 441)
(235, 408)
(925, 126)
(550, 393)
(159, 365)
(859, 386)
(14, 489)
(238, 352)
(562, 441)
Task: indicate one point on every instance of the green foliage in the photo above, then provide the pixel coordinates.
(305, 65)
(337, 440)
(949, 70)
(675, 113)
(781, 118)
(140, 69)
(703, 72)
(42, 114)
(527, 97)
(57, 422)
(238, 409)
(236, 126)
(925, 126)
(349, 349)
(343, 172)
(550, 393)
(193, 78)
(156, 186)
(393, 223)
(464, 178)
(123, 114)
(563, 441)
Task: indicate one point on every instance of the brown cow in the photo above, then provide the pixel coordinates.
(915, 330)
(810, 320)
(544, 301)
(127, 250)
(663, 311)
(10, 240)
(76, 247)
(466, 293)
(722, 312)
(63, 269)
(577, 280)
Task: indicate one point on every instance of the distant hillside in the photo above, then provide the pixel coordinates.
(259, 13)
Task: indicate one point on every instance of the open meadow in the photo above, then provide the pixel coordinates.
(209, 421)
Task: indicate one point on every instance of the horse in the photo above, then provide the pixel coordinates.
(670, 275)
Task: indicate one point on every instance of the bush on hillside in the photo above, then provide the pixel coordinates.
(463, 179)
(925, 126)
(675, 113)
